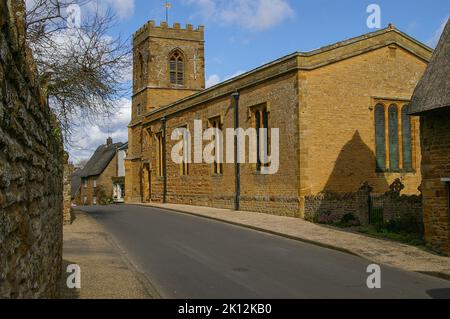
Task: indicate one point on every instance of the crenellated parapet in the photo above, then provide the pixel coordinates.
(176, 31)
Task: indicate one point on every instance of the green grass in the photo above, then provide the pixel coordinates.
(403, 237)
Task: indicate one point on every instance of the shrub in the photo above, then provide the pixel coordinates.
(102, 197)
(403, 224)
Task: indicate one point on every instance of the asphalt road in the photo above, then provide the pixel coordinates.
(191, 257)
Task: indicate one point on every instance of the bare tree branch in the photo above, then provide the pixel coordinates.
(83, 67)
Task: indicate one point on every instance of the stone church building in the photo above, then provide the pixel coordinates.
(341, 110)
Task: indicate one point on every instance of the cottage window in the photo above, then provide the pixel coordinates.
(394, 144)
(176, 68)
(85, 183)
(95, 182)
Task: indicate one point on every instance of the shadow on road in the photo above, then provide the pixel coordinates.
(439, 293)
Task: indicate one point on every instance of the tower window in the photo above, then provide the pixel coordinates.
(176, 66)
(141, 69)
(139, 109)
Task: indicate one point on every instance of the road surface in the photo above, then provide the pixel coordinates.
(191, 257)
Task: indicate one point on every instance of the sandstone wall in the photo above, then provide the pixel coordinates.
(435, 166)
(68, 171)
(274, 194)
(31, 171)
(338, 125)
(331, 207)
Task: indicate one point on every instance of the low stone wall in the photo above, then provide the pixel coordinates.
(330, 208)
(275, 205)
(31, 171)
(396, 207)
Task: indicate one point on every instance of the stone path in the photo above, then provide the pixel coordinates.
(106, 272)
(377, 250)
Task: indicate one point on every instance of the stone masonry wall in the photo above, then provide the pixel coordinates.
(330, 207)
(435, 138)
(338, 126)
(31, 171)
(68, 171)
(274, 194)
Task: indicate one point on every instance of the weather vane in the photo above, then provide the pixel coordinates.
(167, 6)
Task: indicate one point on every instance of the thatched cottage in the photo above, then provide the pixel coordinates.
(431, 101)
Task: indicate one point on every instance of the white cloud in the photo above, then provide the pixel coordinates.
(251, 14)
(212, 80)
(88, 137)
(123, 8)
(435, 39)
(235, 74)
(216, 79)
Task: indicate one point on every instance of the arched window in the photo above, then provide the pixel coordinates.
(393, 138)
(380, 137)
(176, 67)
(406, 134)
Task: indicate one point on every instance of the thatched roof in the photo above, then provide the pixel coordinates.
(433, 90)
(100, 160)
(76, 182)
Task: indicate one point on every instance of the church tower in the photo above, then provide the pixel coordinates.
(168, 65)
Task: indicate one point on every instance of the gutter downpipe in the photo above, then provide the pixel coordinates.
(237, 165)
(163, 124)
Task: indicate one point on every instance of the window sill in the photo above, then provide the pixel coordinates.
(258, 173)
(388, 171)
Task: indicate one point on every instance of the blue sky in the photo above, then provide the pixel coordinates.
(249, 38)
(243, 34)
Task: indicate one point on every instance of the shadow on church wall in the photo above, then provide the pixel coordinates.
(355, 164)
(355, 193)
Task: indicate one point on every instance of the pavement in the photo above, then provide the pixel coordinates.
(106, 272)
(381, 251)
(186, 257)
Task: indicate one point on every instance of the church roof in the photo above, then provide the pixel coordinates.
(297, 61)
(100, 160)
(433, 90)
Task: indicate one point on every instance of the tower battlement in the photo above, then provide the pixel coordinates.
(163, 29)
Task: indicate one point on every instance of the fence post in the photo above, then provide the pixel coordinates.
(364, 203)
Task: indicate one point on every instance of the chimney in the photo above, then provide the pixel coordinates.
(109, 141)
